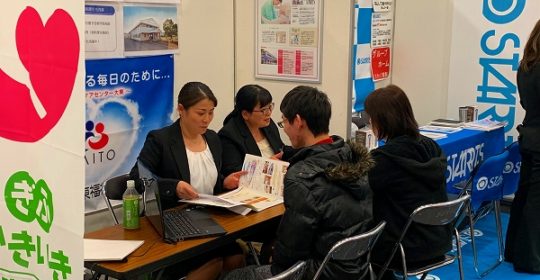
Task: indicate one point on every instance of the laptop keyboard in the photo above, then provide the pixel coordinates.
(180, 224)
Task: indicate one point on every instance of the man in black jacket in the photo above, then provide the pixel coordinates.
(326, 193)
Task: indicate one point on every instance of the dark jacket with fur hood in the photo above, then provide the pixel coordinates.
(326, 197)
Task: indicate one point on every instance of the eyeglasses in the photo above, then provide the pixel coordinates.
(280, 124)
(266, 110)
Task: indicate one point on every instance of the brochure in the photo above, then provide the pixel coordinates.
(433, 135)
(485, 124)
(440, 129)
(260, 188)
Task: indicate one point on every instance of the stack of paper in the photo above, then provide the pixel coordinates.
(446, 122)
(433, 135)
(440, 129)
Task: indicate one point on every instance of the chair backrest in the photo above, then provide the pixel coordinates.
(294, 272)
(113, 189)
(439, 214)
(512, 168)
(487, 183)
(435, 214)
(352, 247)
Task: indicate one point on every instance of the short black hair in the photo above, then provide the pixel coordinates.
(391, 113)
(310, 104)
(193, 92)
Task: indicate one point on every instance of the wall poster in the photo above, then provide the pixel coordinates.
(289, 39)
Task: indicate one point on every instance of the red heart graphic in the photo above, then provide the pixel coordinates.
(50, 54)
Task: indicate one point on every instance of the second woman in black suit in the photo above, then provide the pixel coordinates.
(249, 129)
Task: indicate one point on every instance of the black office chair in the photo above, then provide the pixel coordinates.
(113, 189)
(352, 247)
(294, 272)
(437, 214)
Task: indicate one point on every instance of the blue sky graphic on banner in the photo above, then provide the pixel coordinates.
(361, 71)
(125, 99)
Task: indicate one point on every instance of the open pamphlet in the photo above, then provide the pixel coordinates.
(109, 250)
(260, 188)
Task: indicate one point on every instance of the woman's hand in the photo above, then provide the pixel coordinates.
(186, 191)
(277, 156)
(231, 181)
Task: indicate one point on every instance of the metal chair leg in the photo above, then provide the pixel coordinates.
(253, 253)
(473, 243)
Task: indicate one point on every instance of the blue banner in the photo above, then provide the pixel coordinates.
(125, 99)
(361, 72)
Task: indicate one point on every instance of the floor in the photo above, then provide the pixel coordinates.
(486, 240)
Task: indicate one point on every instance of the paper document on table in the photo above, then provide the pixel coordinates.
(109, 250)
(440, 129)
(485, 124)
(433, 135)
(218, 201)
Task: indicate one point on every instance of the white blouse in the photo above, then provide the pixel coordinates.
(202, 170)
(265, 148)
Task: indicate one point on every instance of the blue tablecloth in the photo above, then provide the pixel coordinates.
(465, 149)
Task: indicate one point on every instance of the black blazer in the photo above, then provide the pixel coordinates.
(237, 141)
(164, 153)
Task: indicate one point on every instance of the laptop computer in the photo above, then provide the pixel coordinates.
(176, 224)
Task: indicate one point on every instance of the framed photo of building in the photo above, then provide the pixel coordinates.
(150, 29)
(289, 40)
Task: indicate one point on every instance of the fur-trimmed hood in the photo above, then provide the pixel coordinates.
(344, 163)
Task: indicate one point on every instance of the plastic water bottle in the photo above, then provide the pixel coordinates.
(131, 206)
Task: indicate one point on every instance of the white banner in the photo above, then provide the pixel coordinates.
(488, 37)
(41, 128)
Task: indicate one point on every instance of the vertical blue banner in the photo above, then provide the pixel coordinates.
(361, 73)
(125, 99)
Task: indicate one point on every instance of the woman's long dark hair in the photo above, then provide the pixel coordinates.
(531, 52)
(247, 98)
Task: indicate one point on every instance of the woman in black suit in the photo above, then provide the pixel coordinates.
(249, 129)
(186, 156)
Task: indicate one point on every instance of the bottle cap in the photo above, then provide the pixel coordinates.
(130, 184)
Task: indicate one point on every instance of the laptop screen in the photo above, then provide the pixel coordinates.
(153, 205)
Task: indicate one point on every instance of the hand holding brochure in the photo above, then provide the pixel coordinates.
(260, 188)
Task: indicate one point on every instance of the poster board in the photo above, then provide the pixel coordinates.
(288, 40)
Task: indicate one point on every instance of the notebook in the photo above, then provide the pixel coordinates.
(177, 224)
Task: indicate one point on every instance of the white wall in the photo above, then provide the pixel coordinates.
(336, 64)
(422, 36)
